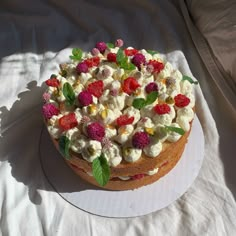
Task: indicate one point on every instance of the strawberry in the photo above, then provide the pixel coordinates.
(130, 52)
(130, 85)
(111, 57)
(96, 88)
(68, 121)
(124, 120)
(53, 81)
(93, 61)
(157, 66)
(181, 100)
(162, 109)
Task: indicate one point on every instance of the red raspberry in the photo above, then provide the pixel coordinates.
(53, 81)
(130, 52)
(96, 131)
(157, 66)
(162, 109)
(101, 46)
(181, 100)
(68, 121)
(93, 61)
(85, 98)
(138, 176)
(151, 87)
(82, 67)
(138, 60)
(50, 110)
(124, 120)
(130, 85)
(111, 57)
(96, 88)
(140, 140)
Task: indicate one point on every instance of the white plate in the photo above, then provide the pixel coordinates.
(123, 203)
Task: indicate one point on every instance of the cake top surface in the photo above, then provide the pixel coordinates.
(115, 103)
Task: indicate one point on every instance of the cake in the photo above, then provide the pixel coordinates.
(120, 116)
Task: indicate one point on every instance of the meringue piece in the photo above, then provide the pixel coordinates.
(131, 154)
(78, 144)
(153, 149)
(113, 155)
(92, 150)
(124, 133)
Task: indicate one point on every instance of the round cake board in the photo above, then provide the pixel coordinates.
(128, 203)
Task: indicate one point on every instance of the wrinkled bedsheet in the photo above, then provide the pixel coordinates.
(34, 38)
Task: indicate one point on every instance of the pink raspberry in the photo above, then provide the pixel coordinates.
(46, 97)
(139, 59)
(140, 140)
(101, 46)
(82, 67)
(119, 43)
(95, 51)
(96, 131)
(85, 98)
(151, 87)
(50, 110)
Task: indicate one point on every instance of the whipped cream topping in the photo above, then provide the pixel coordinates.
(116, 100)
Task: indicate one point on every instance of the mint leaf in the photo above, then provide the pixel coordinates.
(120, 56)
(101, 170)
(139, 103)
(127, 66)
(152, 52)
(68, 93)
(110, 45)
(185, 77)
(151, 97)
(175, 129)
(76, 54)
(64, 144)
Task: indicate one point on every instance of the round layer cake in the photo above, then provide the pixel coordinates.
(120, 116)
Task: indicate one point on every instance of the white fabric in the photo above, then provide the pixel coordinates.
(33, 38)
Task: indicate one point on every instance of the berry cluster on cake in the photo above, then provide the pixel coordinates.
(119, 116)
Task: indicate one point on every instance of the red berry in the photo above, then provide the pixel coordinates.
(96, 88)
(68, 121)
(130, 85)
(138, 176)
(93, 61)
(140, 140)
(157, 66)
(130, 52)
(52, 82)
(162, 109)
(96, 131)
(111, 57)
(124, 120)
(181, 100)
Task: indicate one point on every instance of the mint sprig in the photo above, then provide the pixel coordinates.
(139, 103)
(152, 52)
(122, 61)
(175, 129)
(76, 54)
(64, 144)
(190, 80)
(101, 170)
(110, 45)
(68, 93)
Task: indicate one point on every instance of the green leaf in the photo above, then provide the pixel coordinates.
(101, 170)
(151, 97)
(175, 129)
(152, 52)
(139, 103)
(68, 93)
(110, 45)
(127, 66)
(185, 77)
(76, 54)
(64, 144)
(120, 56)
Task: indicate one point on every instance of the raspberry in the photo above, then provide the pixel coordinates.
(181, 100)
(138, 59)
(85, 98)
(124, 120)
(119, 43)
(162, 109)
(53, 81)
(111, 57)
(82, 67)
(101, 46)
(95, 51)
(130, 52)
(157, 66)
(96, 88)
(96, 131)
(49, 110)
(151, 87)
(130, 85)
(46, 97)
(140, 140)
(68, 121)
(93, 61)
(138, 176)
